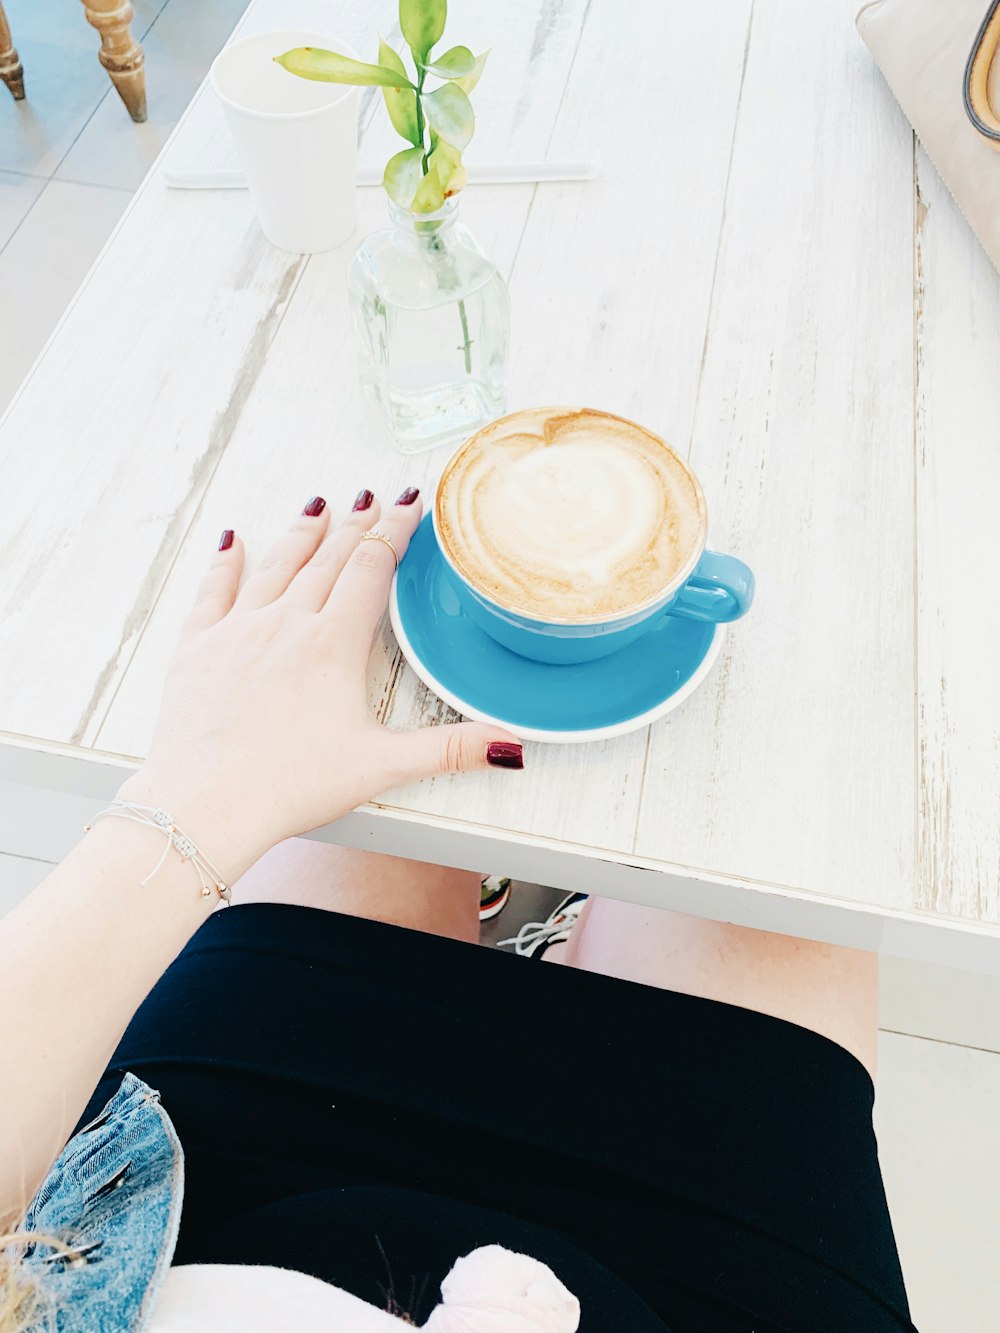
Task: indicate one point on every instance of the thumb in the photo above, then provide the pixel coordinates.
(459, 747)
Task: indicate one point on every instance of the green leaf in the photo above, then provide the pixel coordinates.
(401, 102)
(470, 80)
(429, 196)
(447, 162)
(310, 62)
(390, 58)
(449, 114)
(453, 64)
(402, 176)
(445, 176)
(422, 23)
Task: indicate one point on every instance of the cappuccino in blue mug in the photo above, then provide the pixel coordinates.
(568, 532)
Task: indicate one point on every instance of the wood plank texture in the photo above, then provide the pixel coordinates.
(558, 312)
(144, 384)
(748, 275)
(958, 554)
(337, 447)
(125, 418)
(614, 318)
(115, 441)
(795, 762)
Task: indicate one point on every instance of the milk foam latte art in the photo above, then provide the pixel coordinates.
(571, 516)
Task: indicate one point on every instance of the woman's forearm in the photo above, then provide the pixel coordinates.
(264, 733)
(77, 958)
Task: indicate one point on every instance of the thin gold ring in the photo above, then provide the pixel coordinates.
(372, 536)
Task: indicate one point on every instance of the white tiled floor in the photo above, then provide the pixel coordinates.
(17, 194)
(936, 1117)
(70, 157)
(179, 47)
(69, 160)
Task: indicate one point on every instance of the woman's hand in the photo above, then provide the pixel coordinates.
(265, 730)
(264, 733)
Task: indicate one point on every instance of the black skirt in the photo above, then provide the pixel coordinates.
(366, 1103)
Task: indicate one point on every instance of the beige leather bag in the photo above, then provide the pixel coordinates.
(940, 59)
(980, 79)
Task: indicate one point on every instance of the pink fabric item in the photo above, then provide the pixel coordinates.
(493, 1290)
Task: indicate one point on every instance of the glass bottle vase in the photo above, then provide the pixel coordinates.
(431, 321)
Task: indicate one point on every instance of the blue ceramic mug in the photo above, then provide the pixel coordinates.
(710, 586)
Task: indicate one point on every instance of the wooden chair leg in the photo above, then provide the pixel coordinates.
(120, 54)
(11, 70)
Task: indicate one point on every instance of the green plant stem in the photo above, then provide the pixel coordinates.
(436, 244)
(466, 345)
(420, 114)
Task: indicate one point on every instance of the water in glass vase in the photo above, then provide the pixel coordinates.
(431, 324)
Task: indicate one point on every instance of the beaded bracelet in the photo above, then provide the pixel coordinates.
(208, 876)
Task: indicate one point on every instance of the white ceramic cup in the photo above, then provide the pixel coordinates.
(297, 140)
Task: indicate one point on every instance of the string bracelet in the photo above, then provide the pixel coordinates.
(208, 875)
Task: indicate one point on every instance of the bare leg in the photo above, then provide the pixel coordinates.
(11, 71)
(832, 990)
(120, 54)
(383, 888)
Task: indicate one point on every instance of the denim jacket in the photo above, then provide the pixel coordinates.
(115, 1195)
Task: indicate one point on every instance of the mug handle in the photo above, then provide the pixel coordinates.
(720, 589)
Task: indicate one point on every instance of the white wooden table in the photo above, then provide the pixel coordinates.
(766, 271)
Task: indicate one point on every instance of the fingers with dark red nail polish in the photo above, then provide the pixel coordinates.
(505, 754)
(364, 501)
(226, 540)
(315, 507)
(408, 496)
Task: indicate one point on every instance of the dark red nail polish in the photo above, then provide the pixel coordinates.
(315, 507)
(505, 754)
(408, 496)
(364, 501)
(226, 540)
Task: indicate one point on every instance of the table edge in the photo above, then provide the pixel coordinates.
(93, 776)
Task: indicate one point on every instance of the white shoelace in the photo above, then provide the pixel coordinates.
(536, 932)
